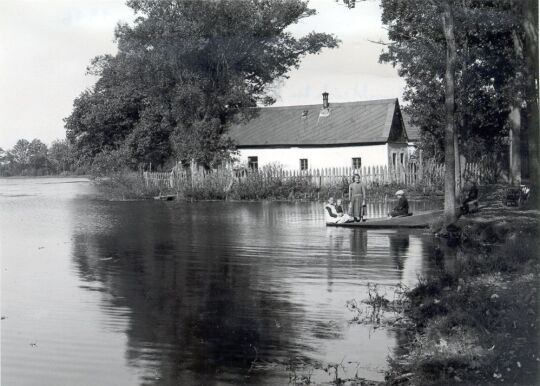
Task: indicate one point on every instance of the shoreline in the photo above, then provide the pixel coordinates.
(87, 176)
(474, 320)
(133, 186)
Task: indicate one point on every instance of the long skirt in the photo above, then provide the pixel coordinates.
(355, 208)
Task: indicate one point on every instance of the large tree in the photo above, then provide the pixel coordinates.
(37, 154)
(466, 48)
(60, 157)
(183, 72)
(21, 153)
(483, 68)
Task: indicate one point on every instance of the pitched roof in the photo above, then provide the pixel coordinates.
(350, 122)
(413, 131)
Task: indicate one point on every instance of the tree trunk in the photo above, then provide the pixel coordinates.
(514, 117)
(449, 156)
(515, 143)
(457, 165)
(530, 28)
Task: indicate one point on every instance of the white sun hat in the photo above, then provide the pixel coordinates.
(400, 192)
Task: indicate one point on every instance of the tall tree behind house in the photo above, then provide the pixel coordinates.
(182, 73)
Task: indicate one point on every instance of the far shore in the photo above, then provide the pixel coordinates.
(89, 177)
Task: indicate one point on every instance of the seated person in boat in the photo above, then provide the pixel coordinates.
(402, 207)
(469, 197)
(339, 206)
(331, 215)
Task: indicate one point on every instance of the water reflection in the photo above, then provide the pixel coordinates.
(359, 242)
(399, 246)
(130, 293)
(228, 291)
(197, 312)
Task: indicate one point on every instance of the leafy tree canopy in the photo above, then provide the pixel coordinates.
(182, 73)
(486, 72)
(26, 158)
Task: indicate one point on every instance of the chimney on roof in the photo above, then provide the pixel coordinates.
(325, 103)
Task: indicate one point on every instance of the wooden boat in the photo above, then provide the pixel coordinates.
(168, 197)
(420, 220)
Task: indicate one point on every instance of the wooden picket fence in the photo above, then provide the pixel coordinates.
(429, 174)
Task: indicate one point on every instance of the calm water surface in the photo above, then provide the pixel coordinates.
(171, 293)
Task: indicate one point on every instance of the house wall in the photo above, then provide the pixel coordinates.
(318, 157)
(401, 152)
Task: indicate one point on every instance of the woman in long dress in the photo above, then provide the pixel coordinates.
(357, 194)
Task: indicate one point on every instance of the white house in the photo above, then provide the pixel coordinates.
(351, 134)
(413, 135)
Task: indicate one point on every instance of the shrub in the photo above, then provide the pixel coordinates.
(126, 185)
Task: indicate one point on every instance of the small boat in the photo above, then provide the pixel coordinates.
(168, 197)
(420, 220)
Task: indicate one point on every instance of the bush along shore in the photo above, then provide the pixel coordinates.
(133, 186)
(473, 319)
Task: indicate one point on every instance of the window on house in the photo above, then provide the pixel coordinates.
(394, 159)
(253, 163)
(357, 163)
(401, 158)
(303, 164)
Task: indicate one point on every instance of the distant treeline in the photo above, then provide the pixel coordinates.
(36, 159)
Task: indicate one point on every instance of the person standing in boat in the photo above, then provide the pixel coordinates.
(331, 215)
(402, 207)
(357, 196)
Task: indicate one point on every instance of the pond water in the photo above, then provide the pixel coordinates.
(170, 293)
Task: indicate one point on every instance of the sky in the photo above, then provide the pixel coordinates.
(46, 45)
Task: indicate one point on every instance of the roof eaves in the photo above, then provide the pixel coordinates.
(377, 141)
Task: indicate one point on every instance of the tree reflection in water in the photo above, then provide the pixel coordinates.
(228, 292)
(194, 310)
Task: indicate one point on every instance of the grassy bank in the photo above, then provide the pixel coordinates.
(474, 320)
(126, 186)
(132, 185)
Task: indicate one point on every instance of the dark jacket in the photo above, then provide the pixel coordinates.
(402, 207)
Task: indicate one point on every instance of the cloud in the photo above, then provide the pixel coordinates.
(47, 44)
(44, 61)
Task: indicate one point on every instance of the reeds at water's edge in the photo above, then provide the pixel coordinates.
(251, 186)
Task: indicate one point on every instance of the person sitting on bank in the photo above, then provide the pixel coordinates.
(402, 207)
(331, 215)
(469, 197)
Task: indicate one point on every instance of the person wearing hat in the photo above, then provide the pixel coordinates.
(402, 207)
